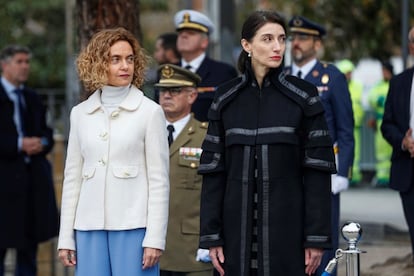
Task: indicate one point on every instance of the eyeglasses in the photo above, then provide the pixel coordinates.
(300, 37)
(174, 91)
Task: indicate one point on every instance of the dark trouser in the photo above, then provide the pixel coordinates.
(329, 254)
(25, 261)
(407, 199)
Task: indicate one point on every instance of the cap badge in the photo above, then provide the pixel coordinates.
(315, 73)
(297, 22)
(167, 72)
(186, 17)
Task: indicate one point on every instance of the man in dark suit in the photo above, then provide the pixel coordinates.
(193, 30)
(27, 200)
(182, 257)
(306, 38)
(398, 129)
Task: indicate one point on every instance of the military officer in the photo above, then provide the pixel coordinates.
(194, 29)
(178, 91)
(306, 38)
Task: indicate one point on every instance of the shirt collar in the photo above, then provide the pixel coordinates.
(8, 86)
(304, 69)
(195, 63)
(179, 125)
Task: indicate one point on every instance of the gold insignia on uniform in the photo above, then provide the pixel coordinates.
(325, 79)
(297, 22)
(315, 73)
(190, 129)
(186, 17)
(167, 72)
(204, 124)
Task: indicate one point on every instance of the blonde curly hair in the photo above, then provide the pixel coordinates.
(93, 60)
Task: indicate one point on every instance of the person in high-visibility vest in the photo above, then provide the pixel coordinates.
(355, 89)
(383, 150)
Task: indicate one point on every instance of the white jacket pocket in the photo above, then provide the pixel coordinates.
(125, 171)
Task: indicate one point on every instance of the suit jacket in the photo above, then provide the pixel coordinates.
(184, 212)
(333, 90)
(116, 172)
(28, 209)
(213, 73)
(396, 122)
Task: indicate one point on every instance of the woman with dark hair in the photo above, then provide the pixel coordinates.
(116, 186)
(266, 164)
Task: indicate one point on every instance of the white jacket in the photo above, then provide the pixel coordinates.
(116, 171)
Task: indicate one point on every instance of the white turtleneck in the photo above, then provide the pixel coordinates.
(112, 96)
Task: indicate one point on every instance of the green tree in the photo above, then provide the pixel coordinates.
(357, 28)
(39, 25)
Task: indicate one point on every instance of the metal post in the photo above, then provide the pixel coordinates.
(352, 232)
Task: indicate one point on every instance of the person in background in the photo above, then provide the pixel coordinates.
(28, 208)
(383, 150)
(178, 91)
(306, 38)
(166, 49)
(165, 52)
(397, 128)
(355, 89)
(266, 163)
(115, 191)
(193, 30)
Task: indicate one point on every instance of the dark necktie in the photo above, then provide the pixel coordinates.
(22, 109)
(170, 129)
(299, 74)
(188, 67)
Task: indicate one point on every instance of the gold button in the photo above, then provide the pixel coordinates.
(193, 165)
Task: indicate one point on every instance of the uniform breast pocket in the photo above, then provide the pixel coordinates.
(187, 167)
(125, 171)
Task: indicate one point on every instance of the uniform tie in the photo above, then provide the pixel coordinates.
(299, 74)
(22, 109)
(170, 129)
(188, 67)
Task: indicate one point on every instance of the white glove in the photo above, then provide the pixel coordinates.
(339, 183)
(203, 255)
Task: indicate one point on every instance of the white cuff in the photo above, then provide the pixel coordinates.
(339, 183)
(203, 255)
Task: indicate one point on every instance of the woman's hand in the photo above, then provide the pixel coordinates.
(151, 257)
(217, 258)
(313, 257)
(67, 257)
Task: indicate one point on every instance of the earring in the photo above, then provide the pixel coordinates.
(249, 54)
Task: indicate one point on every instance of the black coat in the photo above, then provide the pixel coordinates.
(27, 200)
(275, 140)
(395, 123)
(213, 73)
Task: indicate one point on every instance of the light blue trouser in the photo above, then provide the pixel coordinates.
(111, 253)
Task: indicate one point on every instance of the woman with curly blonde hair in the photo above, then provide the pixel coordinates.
(115, 192)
